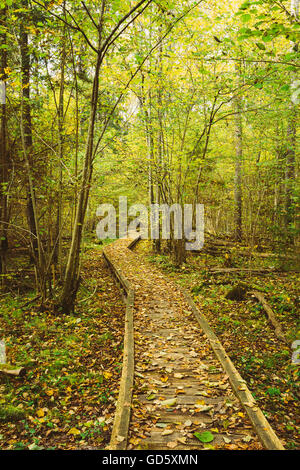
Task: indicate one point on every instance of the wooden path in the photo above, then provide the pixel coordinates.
(176, 386)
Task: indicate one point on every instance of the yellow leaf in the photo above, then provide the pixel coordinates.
(214, 430)
(74, 431)
(107, 375)
(40, 413)
(134, 441)
(200, 402)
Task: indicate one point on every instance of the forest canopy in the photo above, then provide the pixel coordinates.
(161, 101)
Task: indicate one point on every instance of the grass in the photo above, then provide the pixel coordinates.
(73, 363)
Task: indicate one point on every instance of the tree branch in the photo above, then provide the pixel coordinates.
(104, 50)
(137, 71)
(115, 29)
(75, 28)
(89, 15)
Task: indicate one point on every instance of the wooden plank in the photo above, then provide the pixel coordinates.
(119, 434)
(262, 427)
(118, 440)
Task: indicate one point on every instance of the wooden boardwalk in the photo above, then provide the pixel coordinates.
(179, 386)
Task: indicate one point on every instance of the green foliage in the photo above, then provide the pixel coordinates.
(204, 437)
(273, 391)
(165, 125)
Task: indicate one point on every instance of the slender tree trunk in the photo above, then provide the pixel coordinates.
(291, 148)
(71, 279)
(159, 162)
(238, 161)
(146, 106)
(36, 247)
(150, 145)
(290, 169)
(26, 125)
(3, 148)
(76, 132)
(60, 117)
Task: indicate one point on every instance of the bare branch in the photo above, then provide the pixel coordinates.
(125, 27)
(122, 20)
(138, 69)
(70, 25)
(89, 15)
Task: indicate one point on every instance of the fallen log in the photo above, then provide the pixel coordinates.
(271, 315)
(8, 369)
(30, 301)
(240, 270)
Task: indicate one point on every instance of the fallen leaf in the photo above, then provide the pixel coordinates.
(107, 375)
(205, 436)
(188, 423)
(247, 438)
(151, 396)
(169, 402)
(172, 444)
(178, 376)
(182, 440)
(74, 431)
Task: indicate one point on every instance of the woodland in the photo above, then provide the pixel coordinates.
(164, 102)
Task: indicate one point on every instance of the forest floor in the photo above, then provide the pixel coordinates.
(242, 327)
(67, 398)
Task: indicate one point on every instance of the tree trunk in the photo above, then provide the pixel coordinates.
(290, 170)
(60, 117)
(238, 161)
(291, 148)
(159, 161)
(71, 279)
(26, 125)
(36, 247)
(3, 148)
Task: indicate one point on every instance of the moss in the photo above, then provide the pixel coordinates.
(11, 413)
(7, 367)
